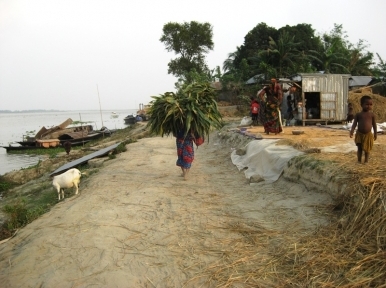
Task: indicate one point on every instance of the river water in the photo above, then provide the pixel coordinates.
(15, 126)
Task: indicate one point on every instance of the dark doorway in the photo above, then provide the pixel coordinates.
(312, 105)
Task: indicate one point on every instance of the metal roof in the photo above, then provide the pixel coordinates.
(255, 79)
(360, 80)
(84, 159)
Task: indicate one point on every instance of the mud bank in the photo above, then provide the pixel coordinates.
(321, 176)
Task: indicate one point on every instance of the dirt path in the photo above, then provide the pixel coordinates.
(137, 223)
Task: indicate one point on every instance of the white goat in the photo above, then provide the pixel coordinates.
(68, 179)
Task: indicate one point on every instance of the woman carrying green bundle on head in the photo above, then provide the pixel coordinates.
(191, 112)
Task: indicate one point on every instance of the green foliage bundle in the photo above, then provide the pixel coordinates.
(194, 108)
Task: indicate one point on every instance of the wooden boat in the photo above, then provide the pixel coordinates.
(79, 136)
(58, 135)
(21, 148)
(31, 143)
(75, 138)
(130, 119)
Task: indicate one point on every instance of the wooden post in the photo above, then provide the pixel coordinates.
(100, 108)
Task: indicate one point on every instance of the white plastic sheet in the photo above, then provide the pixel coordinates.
(265, 159)
(246, 121)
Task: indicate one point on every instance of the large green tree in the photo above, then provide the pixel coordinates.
(279, 52)
(306, 39)
(380, 69)
(360, 61)
(191, 41)
(283, 52)
(256, 40)
(332, 56)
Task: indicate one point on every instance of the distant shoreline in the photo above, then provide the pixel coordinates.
(42, 110)
(29, 111)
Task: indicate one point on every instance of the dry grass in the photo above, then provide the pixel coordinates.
(302, 145)
(350, 252)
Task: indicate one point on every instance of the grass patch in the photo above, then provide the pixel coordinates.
(38, 151)
(22, 204)
(32, 166)
(122, 147)
(309, 162)
(5, 185)
(19, 215)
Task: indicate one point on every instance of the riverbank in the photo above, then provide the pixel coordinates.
(136, 223)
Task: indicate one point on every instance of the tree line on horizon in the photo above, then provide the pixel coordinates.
(266, 51)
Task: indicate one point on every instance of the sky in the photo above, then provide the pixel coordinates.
(92, 54)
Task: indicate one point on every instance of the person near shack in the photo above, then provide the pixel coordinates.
(269, 110)
(290, 114)
(255, 107)
(252, 99)
(364, 138)
(350, 113)
(276, 90)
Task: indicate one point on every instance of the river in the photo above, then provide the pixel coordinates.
(16, 126)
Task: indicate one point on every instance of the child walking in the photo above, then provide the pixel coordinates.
(365, 120)
(255, 107)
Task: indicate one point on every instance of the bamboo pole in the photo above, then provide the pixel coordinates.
(100, 107)
(81, 127)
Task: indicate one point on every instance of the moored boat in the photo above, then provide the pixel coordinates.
(58, 135)
(114, 115)
(22, 148)
(130, 119)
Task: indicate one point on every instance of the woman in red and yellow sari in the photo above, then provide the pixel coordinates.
(270, 99)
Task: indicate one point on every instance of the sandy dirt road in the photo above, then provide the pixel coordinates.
(137, 223)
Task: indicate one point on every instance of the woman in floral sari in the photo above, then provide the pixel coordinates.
(269, 110)
(185, 151)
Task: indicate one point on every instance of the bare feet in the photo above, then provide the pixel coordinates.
(186, 174)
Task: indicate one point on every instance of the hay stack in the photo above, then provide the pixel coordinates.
(379, 103)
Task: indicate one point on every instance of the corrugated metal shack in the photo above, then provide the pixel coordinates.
(322, 97)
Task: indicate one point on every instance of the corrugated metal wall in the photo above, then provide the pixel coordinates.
(328, 85)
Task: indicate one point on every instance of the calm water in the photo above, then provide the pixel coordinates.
(15, 126)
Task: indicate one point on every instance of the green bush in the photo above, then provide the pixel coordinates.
(18, 215)
(4, 185)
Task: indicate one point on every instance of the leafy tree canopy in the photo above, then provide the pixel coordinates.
(189, 40)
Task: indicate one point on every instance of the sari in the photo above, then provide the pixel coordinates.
(269, 111)
(185, 151)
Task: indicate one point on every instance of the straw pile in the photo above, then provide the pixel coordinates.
(379, 103)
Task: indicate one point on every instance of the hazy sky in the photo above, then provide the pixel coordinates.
(54, 54)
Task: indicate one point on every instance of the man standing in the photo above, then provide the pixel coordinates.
(277, 93)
